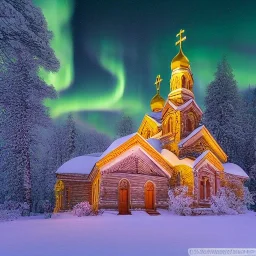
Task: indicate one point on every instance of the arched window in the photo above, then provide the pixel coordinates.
(183, 82)
(189, 86)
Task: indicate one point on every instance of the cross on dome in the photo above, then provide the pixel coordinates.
(181, 39)
(158, 82)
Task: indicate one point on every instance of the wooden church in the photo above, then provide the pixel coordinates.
(170, 148)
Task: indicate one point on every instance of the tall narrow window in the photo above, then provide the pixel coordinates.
(183, 82)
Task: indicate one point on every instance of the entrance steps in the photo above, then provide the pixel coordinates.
(152, 212)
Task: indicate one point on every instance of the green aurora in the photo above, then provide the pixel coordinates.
(113, 70)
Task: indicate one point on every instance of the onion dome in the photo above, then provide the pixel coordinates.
(180, 61)
(157, 103)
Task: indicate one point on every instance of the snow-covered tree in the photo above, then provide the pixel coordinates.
(98, 142)
(82, 209)
(179, 201)
(70, 137)
(124, 126)
(22, 95)
(223, 115)
(252, 175)
(23, 28)
(24, 48)
(227, 202)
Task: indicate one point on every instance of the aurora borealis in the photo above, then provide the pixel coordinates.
(111, 51)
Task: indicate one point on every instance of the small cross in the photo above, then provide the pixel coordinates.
(158, 82)
(181, 39)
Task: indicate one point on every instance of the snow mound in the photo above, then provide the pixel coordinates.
(156, 144)
(235, 170)
(157, 116)
(79, 165)
(174, 160)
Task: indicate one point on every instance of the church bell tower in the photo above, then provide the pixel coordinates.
(181, 82)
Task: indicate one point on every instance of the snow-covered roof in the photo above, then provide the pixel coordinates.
(183, 106)
(157, 116)
(116, 144)
(155, 143)
(235, 170)
(201, 157)
(78, 165)
(198, 129)
(174, 160)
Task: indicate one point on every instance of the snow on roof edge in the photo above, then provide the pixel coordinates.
(198, 129)
(234, 169)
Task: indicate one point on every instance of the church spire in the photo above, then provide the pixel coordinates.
(181, 82)
(180, 60)
(157, 102)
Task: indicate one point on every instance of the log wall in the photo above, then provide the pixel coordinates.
(109, 190)
(76, 189)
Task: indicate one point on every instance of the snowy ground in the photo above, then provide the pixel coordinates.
(137, 234)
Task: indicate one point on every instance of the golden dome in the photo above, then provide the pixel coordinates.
(180, 61)
(157, 103)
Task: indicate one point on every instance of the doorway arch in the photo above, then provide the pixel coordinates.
(123, 196)
(149, 195)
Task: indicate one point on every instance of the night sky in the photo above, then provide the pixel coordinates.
(111, 52)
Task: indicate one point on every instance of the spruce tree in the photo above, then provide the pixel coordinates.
(24, 48)
(71, 136)
(223, 114)
(125, 126)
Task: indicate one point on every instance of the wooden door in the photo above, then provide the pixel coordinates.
(201, 190)
(150, 196)
(123, 197)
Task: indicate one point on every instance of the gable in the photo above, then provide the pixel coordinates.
(208, 157)
(149, 127)
(199, 141)
(136, 161)
(137, 141)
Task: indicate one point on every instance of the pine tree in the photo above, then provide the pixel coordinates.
(125, 126)
(23, 93)
(223, 114)
(249, 116)
(252, 174)
(24, 48)
(23, 28)
(71, 136)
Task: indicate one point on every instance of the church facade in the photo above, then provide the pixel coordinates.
(170, 148)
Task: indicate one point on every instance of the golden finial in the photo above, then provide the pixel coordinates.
(157, 83)
(181, 39)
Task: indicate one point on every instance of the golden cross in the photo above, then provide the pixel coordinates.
(158, 82)
(181, 39)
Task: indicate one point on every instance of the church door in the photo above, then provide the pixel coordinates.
(202, 190)
(149, 196)
(123, 203)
